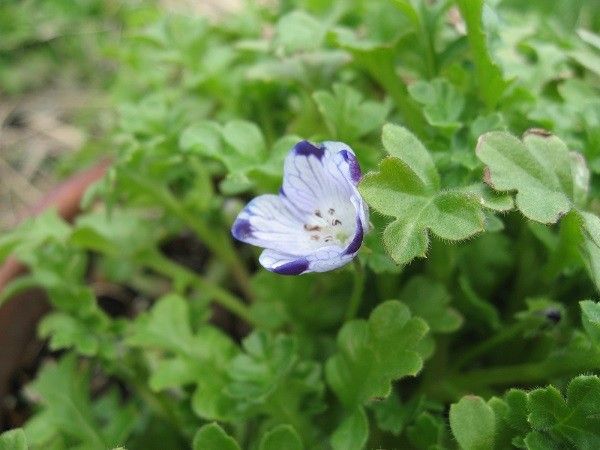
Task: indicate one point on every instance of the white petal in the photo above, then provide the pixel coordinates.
(267, 222)
(311, 179)
(321, 260)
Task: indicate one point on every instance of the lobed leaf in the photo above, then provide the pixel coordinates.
(574, 421)
(371, 354)
(473, 423)
(212, 437)
(407, 187)
(539, 168)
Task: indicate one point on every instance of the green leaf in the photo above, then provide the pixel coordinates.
(282, 437)
(13, 440)
(373, 353)
(271, 378)
(203, 138)
(67, 411)
(245, 145)
(299, 31)
(391, 415)
(590, 247)
(574, 421)
(590, 316)
(198, 358)
(347, 115)
(494, 200)
(426, 432)
(511, 419)
(429, 300)
(538, 168)
(33, 233)
(166, 326)
(379, 60)
(473, 423)
(402, 144)
(352, 433)
(488, 75)
(408, 188)
(212, 437)
(476, 307)
(66, 331)
(443, 104)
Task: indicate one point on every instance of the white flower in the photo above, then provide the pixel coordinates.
(318, 220)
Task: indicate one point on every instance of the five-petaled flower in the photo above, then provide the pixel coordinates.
(318, 220)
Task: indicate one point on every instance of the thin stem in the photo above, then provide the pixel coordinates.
(215, 240)
(357, 290)
(485, 346)
(529, 372)
(154, 401)
(183, 276)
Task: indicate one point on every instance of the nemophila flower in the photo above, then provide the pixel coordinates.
(318, 220)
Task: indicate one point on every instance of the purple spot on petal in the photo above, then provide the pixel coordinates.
(355, 172)
(357, 240)
(305, 148)
(292, 268)
(241, 229)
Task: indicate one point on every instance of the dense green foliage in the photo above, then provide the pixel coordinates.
(471, 317)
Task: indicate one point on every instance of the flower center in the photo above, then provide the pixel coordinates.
(328, 226)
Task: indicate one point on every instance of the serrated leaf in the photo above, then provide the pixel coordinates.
(199, 358)
(574, 421)
(429, 300)
(269, 377)
(68, 412)
(166, 326)
(282, 437)
(212, 437)
(473, 423)
(538, 168)
(13, 440)
(352, 433)
(590, 317)
(373, 353)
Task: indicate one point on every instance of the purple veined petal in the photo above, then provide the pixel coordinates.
(267, 222)
(357, 239)
(305, 148)
(311, 178)
(318, 221)
(345, 160)
(282, 263)
(321, 260)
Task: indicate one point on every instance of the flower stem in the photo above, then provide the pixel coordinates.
(214, 239)
(357, 291)
(183, 276)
